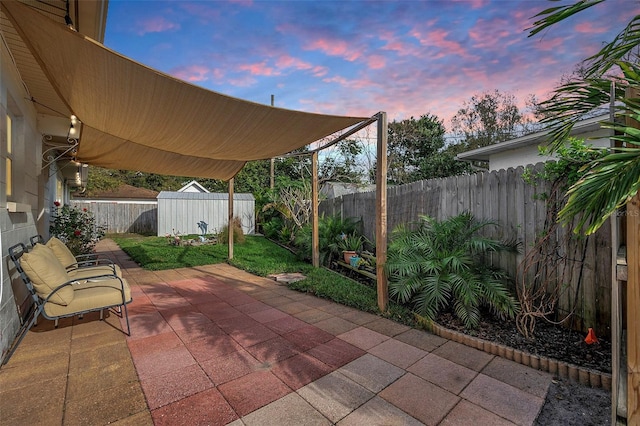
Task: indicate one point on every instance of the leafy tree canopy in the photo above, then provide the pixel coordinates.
(488, 118)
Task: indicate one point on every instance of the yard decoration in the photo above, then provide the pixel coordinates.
(591, 337)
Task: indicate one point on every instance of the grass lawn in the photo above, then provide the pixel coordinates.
(256, 255)
(262, 257)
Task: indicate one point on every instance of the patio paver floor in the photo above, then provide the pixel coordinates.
(216, 345)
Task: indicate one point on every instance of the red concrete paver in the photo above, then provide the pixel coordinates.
(444, 373)
(308, 337)
(216, 346)
(464, 355)
(273, 350)
(398, 353)
(285, 325)
(466, 413)
(363, 338)
(175, 385)
(150, 344)
(420, 399)
(252, 335)
(300, 370)
(268, 315)
(163, 361)
(336, 352)
(229, 367)
(202, 409)
(505, 400)
(255, 390)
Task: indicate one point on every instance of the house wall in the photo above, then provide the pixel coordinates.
(28, 184)
(529, 155)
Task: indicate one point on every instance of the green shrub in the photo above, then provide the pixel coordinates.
(238, 234)
(330, 232)
(76, 228)
(443, 264)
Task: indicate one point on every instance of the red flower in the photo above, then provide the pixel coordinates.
(84, 210)
(56, 203)
(77, 232)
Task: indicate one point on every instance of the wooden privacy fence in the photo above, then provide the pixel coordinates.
(123, 216)
(581, 266)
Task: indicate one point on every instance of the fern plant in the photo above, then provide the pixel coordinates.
(442, 264)
(330, 230)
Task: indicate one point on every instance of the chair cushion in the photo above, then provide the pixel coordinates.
(46, 273)
(92, 295)
(62, 252)
(91, 271)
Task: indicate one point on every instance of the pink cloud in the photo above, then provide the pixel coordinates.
(376, 61)
(191, 73)
(156, 25)
(438, 38)
(491, 34)
(549, 44)
(589, 28)
(286, 61)
(259, 68)
(394, 44)
(338, 48)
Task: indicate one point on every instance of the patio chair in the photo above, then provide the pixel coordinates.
(81, 266)
(56, 294)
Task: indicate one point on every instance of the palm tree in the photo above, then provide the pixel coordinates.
(611, 181)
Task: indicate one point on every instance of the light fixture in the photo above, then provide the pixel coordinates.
(73, 128)
(67, 18)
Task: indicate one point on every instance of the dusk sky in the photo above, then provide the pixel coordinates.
(407, 58)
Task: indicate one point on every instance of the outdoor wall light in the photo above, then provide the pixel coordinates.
(73, 127)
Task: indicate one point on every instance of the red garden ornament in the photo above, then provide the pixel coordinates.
(591, 337)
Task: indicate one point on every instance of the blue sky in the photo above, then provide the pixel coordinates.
(408, 58)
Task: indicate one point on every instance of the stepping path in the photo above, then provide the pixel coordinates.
(216, 345)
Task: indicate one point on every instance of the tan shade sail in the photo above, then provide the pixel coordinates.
(134, 117)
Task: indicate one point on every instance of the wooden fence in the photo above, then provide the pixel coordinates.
(123, 216)
(582, 266)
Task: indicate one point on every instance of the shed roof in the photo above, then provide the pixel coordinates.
(173, 195)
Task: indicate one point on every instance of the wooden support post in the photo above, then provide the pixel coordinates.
(633, 311)
(381, 212)
(230, 224)
(315, 238)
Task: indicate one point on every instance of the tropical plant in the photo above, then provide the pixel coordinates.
(351, 242)
(330, 231)
(611, 76)
(76, 228)
(444, 264)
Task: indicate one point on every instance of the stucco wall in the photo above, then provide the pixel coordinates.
(529, 155)
(27, 181)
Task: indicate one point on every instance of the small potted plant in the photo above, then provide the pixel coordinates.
(350, 245)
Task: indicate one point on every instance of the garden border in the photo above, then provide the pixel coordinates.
(584, 376)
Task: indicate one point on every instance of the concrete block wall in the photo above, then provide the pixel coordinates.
(16, 228)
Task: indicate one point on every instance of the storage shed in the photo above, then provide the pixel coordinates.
(191, 212)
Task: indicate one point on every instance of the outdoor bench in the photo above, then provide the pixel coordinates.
(81, 266)
(58, 292)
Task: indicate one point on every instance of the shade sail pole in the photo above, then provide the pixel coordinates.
(230, 224)
(315, 239)
(381, 212)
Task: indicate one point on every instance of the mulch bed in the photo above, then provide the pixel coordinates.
(550, 340)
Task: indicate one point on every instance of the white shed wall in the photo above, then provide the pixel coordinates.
(179, 215)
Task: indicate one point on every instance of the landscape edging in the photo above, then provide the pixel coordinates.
(587, 377)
